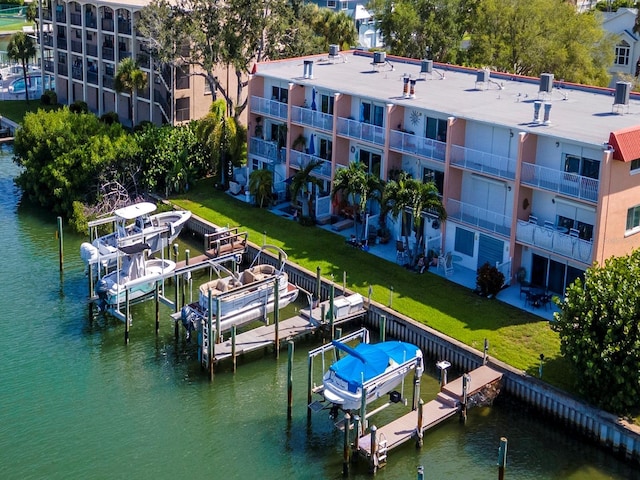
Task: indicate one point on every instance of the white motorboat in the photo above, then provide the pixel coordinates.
(136, 223)
(138, 275)
(378, 368)
(241, 297)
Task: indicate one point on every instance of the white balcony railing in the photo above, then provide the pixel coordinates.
(272, 108)
(360, 131)
(479, 161)
(478, 217)
(570, 184)
(312, 118)
(416, 145)
(267, 150)
(300, 160)
(554, 241)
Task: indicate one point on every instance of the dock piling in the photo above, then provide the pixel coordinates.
(419, 427)
(486, 349)
(218, 320)
(347, 447)
(309, 387)
(276, 317)
(502, 458)
(156, 294)
(290, 351)
(420, 472)
(466, 380)
(210, 336)
(416, 389)
(332, 294)
(390, 296)
(357, 430)
(344, 282)
(383, 327)
(233, 347)
(60, 244)
(318, 285)
(373, 461)
(126, 317)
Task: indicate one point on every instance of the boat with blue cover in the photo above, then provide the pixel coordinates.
(376, 368)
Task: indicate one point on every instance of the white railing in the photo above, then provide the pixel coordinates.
(360, 131)
(479, 161)
(323, 206)
(554, 241)
(478, 217)
(416, 145)
(570, 184)
(267, 150)
(300, 160)
(312, 118)
(435, 244)
(505, 269)
(272, 108)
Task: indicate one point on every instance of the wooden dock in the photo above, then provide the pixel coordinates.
(446, 404)
(264, 336)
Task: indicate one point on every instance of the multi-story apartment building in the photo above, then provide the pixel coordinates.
(83, 43)
(533, 172)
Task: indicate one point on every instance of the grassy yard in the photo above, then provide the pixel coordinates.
(515, 336)
(16, 109)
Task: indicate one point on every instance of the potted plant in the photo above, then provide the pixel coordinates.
(300, 143)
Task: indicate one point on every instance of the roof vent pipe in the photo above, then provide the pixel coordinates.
(412, 90)
(405, 86)
(536, 111)
(547, 113)
(308, 69)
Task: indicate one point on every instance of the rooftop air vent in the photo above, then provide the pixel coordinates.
(546, 83)
(482, 76)
(379, 57)
(333, 50)
(426, 66)
(621, 99)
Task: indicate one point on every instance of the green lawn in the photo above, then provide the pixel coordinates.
(16, 109)
(515, 336)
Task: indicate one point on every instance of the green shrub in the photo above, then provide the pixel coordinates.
(110, 118)
(49, 97)
(489, 280)
(79, 107)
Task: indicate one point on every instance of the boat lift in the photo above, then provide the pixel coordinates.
(313, 388)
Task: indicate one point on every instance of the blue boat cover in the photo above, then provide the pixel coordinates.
(367, 361)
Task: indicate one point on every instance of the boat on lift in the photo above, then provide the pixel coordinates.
(377, 368)
(134, 224)
(138, 275)
(240, 297)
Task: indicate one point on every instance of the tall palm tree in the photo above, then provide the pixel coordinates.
(21, 48)
(303, 182)
(358, 185)
(409, 196)
(224, 138)
(261, 186)
(129, 79)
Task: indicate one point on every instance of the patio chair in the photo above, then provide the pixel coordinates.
(448, 264)
(402, 256)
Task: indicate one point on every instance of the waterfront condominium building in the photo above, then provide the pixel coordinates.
(537, 175)
(82, 45)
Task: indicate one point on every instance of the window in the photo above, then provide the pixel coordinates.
(62, 58)
(372, 160)
(435, 176)
(372, 113)
(182, 78)
(183, 109)
(633, 219)
(464, 241)
(326, 147)
(436, 129)
(344, 5)
(331, 3)
(582, 166)
(280, 94)
(622, 54)
(635, 166)
(326, 104)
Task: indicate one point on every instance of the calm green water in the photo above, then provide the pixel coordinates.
(75, 403)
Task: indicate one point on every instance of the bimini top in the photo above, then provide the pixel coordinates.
(134, 211)
(367, 361)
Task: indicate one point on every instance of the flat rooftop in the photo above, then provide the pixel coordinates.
(579, 113)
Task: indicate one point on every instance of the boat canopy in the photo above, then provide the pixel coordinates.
(367, 361)
(134, 211)
(134, 248)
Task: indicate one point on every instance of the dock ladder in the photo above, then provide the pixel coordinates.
(381, 451)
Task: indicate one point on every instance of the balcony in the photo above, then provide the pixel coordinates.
(60, 15)
(415, 145)
(300, 160)
(107, 53)
(92, 77)
(46, 13)
(360, 131)
(91, 21)
(107, 81)
(570, 184)
(92, 50)
(62, 43)
(488, 163)
(312, 118)
(47, 40)
(76, 19)
(267, 150)
(554, 241)
(62, 69)
(48, 65)
(122, 54)
(478, 217)
(273, 108)
(76, 73)
(124, 26)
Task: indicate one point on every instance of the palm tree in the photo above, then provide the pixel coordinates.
(358, 186)
(336, 28)
(261, 186)
(303, 182)
(407, 195)
(225, 139)
(130, 79)
(21, 48)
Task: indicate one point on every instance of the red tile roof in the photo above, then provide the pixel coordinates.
(626, 143)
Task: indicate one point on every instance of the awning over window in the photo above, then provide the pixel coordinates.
(626, 144)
